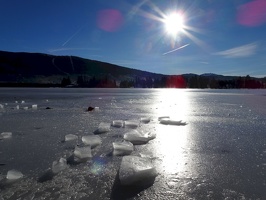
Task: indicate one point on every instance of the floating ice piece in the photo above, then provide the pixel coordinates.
(59, 165)
(6, 135)
(1, 106)
(131, 124)
(137, 137)
(122, 148)
(118, 123)
(145, 120)
(25, 108)
(34, 106)
(83, 153)
(102, 128)
(17, 107)
(14, 175)
(70, 137)
(96, 109)
(173, 122)
(22, 101)
(134, 169)
(163, 117)
(16, 101)
(92, 140)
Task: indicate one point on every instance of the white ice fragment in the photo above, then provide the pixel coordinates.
(17, 107)
(173, 122)
(92, 140)
(34, 106)
(6, 135)
(70, 137)
(83, 152)
(118, 123)
(103, 128)
(122, 148)
(145, 120)
(16, 101)
(26, 108)
(163, 117)
(137, 137)
(6, 104)
(134, 169)
(22, 101)
(14, 175)
(96, 109)
(59, 165)
(131, 124)
(1, 106)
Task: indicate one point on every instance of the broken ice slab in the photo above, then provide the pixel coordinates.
(70, 137)
(14, 175)
(145, 120)
(122, 148)
(34, 106)
(22, 101)
(131, 124)
(17, 107)
(6, 135)
(103, 128)
(83, 153)
(1, 106)
(59, 165)
(118, 123)
(134, 170)
(92, 140)
(139, 137)
(163, 117)
(173, 122)
(96, 109)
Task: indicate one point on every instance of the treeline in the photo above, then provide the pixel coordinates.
(174, 81)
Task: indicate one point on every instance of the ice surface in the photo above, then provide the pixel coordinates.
(172, 122)
(103, 128)
(83, 153)
(59, 165)
(137, 137)
(92, 140)
(6, 135)
(131, 124)
(118, 123)
(145, 120)
(14, 175)
(134, 169)
(122, 148)
(70, 137)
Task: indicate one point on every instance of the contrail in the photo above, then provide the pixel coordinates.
(176, 49)
(72, 36)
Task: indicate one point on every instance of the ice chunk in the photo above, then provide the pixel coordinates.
(1, 106)
(25, 108)
(14, 175)
(17, 107)
(131, 124)
(137, 137)
(134, 169)
(60, 165)
(83, 153)
(96, 109)
(163, 117)
(6, 135)
(22, 101)
(173, 122)
(145, 120)
(122, 148)
(102, 128)
(34, 106)
(118, 123)
(70, 137)
(16, 101)
(92, 140)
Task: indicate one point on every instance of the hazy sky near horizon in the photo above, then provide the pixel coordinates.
(218, 36)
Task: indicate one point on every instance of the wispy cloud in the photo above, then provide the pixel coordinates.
(72, 49)
(239, 52)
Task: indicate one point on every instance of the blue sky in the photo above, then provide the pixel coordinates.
(218, 36)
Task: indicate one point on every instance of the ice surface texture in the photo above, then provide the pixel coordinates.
(135, 169)
(122, 148)
(92, 140)
(14, 175)
(137, 137)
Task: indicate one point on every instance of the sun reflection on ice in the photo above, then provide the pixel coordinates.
(172, 140)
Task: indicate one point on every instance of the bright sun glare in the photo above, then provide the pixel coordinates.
(174, 23)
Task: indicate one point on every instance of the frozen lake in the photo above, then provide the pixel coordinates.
(219, 154)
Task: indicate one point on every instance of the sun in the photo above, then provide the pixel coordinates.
(174, 24)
